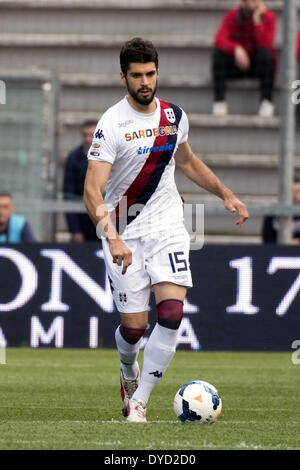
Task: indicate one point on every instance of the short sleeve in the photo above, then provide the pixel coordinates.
(103, 148)
(183, 129)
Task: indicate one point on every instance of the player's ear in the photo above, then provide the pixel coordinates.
(123, 77)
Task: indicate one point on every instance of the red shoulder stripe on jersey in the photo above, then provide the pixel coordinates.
(145, 183)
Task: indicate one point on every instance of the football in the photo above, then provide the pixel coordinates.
(197, 402)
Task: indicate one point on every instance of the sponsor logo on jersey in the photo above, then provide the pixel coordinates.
(126, 123)
(95, 154)
(161, 148)
(155, 132)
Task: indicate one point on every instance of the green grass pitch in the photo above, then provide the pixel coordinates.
(69, 399)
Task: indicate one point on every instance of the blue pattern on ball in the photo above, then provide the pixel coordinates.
(187, 413)
(215, 396)
(181, 392)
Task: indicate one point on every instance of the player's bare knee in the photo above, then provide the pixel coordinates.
(170, 313)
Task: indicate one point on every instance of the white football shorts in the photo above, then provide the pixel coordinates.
(157, 257)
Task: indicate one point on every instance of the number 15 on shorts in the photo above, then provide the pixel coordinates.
(178, 261)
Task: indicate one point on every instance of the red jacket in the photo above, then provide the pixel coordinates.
(238, 29)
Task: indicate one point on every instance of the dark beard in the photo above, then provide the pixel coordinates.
(140, 99)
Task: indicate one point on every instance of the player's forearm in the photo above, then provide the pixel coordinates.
(99, 214)
(198, 172)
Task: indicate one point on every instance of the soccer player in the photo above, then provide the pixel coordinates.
(136, 145)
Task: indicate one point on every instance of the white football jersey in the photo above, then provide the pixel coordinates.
(141, 194)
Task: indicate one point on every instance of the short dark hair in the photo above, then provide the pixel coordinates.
(5, 194)
(89, 123)
(137, 50)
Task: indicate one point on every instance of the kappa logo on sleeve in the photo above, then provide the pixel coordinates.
(99, 134)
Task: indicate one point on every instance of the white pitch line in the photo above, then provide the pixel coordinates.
(118, 422)
(153, 445)
(113, 421)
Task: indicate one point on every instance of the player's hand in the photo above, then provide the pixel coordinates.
(121, 254)
(241, 57)
(233, 204)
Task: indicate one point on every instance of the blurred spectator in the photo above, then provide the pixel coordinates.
(298, 77)
(79, 224)
(244, 48)
(271, 223)
(13, 228)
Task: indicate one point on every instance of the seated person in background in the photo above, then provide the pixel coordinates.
(271, 223)
(80, 225)
(297, 103)
(13, 228)
(244, 48)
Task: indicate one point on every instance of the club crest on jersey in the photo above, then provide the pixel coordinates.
(169, 112)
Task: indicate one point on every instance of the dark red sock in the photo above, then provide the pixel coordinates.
(170, 313)
(132, 335)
